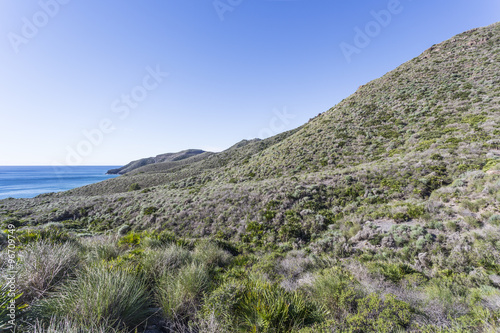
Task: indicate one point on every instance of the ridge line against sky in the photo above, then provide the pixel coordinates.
(93, 83)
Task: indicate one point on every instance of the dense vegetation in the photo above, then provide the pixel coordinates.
(379, 215)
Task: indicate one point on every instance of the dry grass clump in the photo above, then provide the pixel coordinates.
(180, 293)
(211, 255)
(101, 248)
(44, 265)
(156, 263)
(101, 295)
(66, 325)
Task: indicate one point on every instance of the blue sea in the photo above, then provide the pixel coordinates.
(30, 181)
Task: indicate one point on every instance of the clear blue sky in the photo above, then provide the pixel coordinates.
(86, 66)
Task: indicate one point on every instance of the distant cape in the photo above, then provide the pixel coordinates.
(168, 157)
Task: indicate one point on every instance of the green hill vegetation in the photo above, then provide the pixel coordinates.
(163, 158)
(381, 214)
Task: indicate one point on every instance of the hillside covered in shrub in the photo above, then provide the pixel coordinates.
(381, 214)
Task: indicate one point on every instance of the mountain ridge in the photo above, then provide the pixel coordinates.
(167, 157)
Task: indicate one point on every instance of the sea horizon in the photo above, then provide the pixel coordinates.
(28, 181)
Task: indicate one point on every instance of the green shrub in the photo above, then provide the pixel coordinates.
(494, 220)
(101, 295)
(421, 243)
(452, 226)
(254, 232)
(337, 290)
(149, 210)
(211, 255)
(270, 308)
(470, 205)
(15, 222)
(159, 262)
(490, 164)
(131, 239)
(165, 237)
(375, 240)
(158, 240)
(450, 290)
(436, 157)
(50, 234)
(102, 249)
(43, 266)
(268, 265)
(268, 215)
(291, 230)
(65, 325)
(377, 315)
(473, 119)
(99, 224)
(479, 319)
(472, 221)
(394, 272)
(180, 293)
(409, 211)
(353, 230)
(3, 239)
(134, 187)
(223, 304)
(258, 306)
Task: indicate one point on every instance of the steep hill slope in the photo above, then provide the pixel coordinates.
(446, 101)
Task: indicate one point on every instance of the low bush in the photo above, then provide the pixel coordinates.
(338, 290)
(43, 266)
(66, 325)
(149, 210)
(472, 221)
(50, 234)
(159, 262)
(257, 306)
(452, 226)
(104, 249)
(394, 272)
(494, 220)
(101, 295)
(375, 314)
(211, 255)
(451, 290)
(180, 293)
(131, 239)
(134, 187)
